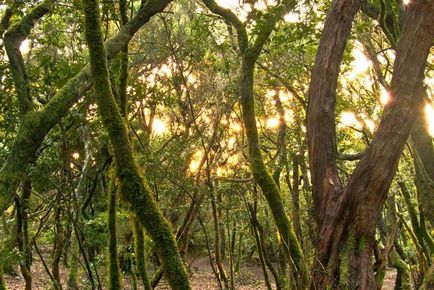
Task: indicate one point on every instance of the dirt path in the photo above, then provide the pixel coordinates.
(249, 278)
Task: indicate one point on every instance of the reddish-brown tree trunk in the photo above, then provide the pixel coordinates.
(347, 217)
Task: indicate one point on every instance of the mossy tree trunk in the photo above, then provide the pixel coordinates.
(428, 282)
(249, 55)
(73, 264)
(114, 273)
(22, 222)
(353, 211)
(58, 243)
(132, 186)
(217, 238)
(139, 252)
(36, 125)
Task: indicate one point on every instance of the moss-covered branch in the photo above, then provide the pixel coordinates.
(229, 16)
(114, 273)
(36, 125)
(13, 38)
(139, 252)
(131, 184)
(260, 172)
(5, 20)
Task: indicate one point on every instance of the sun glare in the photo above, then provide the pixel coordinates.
(292, 17)
(361, 64)
(273, 123)
(25, 46)
(158, 127)
(384, 96)
(429, 115)
(195, 162)
(349, 119)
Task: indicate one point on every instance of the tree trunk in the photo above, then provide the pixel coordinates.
(36, 125)
(22, 204)
(217, 242)
(58, 244)
(348, 216)
(73, 264)
(132, 185)
(249, 55)
(139, 252)
(113, 279)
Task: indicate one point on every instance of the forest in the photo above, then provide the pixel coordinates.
(217, 144)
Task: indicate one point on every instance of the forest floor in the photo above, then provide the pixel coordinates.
(249, 277)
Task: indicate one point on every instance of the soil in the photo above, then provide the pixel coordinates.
(249, 277)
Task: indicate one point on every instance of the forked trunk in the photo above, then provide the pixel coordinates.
(348, 217)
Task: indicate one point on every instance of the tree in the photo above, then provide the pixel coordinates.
(344, 213)
(249, 56)
(131, 183)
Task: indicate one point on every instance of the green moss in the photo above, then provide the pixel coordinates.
(73, 265)
(113, 279)
(132, 185)
(428, 281)
(345, 258)
(402, 269)
(140, 254)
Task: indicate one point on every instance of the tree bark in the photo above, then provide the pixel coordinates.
(14, 36)
(36, 125)
(132, 185)
(139, 252)
(350, 215)
(262, 176)
(114, 273)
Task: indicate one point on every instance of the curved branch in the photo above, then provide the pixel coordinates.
(229, 16)
(36, 125)
(13, 38)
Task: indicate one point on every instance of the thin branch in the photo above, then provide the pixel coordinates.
(229, 16)
(285, 83)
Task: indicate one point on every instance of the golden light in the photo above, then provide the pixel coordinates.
(158, 127)
(25, 46)
(228, 4)
(231, 142)
(236, 127)
(221, 172)
(292, 17)
(360, 64)
(270, 93)
(429, 115)
(384, 96)
(193, 167)
(289, 116)
(285, 96)
(241, 10)
(349, 119)
(406, 2)
(273, 123)
(369, 124)
(233, 160)
(192, 79)
(76, 155)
